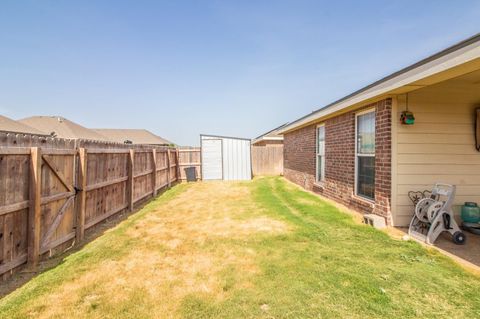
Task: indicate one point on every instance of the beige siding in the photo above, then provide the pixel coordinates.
(439, 147)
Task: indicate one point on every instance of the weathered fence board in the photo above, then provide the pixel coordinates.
(267, 160)
(52, 190)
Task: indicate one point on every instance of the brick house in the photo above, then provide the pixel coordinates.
(356, 151)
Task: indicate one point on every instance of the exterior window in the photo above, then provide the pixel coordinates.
(320, 153)
(365, 155)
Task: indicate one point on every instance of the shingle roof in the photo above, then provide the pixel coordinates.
(136, 136)
(9, 125)
(61, 127)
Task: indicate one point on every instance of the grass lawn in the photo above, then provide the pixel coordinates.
(252, 249)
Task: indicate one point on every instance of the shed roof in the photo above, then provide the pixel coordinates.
(461, 58)
(61, 127)
(210, 136)
(9, 125)
(136, 136)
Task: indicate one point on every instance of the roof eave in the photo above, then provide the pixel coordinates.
(267, 138)
(418, 75)
(25, 133)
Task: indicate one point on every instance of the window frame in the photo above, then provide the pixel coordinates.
(357, 155)
(317, 154)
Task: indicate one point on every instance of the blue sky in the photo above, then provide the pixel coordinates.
(181, 68)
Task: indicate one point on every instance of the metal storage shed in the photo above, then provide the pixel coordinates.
(225, 158)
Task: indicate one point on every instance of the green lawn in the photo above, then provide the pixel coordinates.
(252, 249)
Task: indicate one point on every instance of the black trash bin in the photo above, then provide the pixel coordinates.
(191, 174)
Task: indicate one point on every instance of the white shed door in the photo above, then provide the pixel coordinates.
(212, 159)
(236, 159)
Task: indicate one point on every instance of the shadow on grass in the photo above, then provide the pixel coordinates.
(24, 275)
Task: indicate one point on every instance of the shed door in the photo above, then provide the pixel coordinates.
(236, 160)
(212, 159)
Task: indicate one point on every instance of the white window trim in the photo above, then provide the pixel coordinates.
(357, 114)
(319, 182)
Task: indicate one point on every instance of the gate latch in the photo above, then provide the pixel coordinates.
(77, 189)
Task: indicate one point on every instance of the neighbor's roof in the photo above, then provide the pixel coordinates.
(270, 135)
(61, 127)
(9, 125)
(461, 58)
(136, 136)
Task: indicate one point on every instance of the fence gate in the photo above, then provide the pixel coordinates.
(57, 224)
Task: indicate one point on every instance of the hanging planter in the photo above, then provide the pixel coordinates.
(407, 118)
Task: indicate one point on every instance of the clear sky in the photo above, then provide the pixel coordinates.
(181, 68)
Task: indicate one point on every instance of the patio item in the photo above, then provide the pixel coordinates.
(434, 215)
(191, 174)
(473, 228)
(470, 213)
(374, 221)
(471, 218)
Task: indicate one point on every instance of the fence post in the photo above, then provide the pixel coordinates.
(154, 176)
(130, 183)
(168, 169)
(81, 194)
(177, 160)
(34, 211)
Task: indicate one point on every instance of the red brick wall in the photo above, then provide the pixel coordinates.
(383, 158)
(339, 158)
(299, 160)
(299, 156)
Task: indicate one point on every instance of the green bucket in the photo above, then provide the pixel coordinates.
(470, 212)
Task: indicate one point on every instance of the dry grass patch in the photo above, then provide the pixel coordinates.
(178, 250)
(206, 211)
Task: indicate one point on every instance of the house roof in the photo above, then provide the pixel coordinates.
(61, 127)
(9, 125)
(270, 135)
(461, 58)
(136, 136)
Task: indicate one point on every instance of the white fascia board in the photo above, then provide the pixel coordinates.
(271, 138)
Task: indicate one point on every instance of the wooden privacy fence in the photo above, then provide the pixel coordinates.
(190, 157)
(267, 160)
(50, 196)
